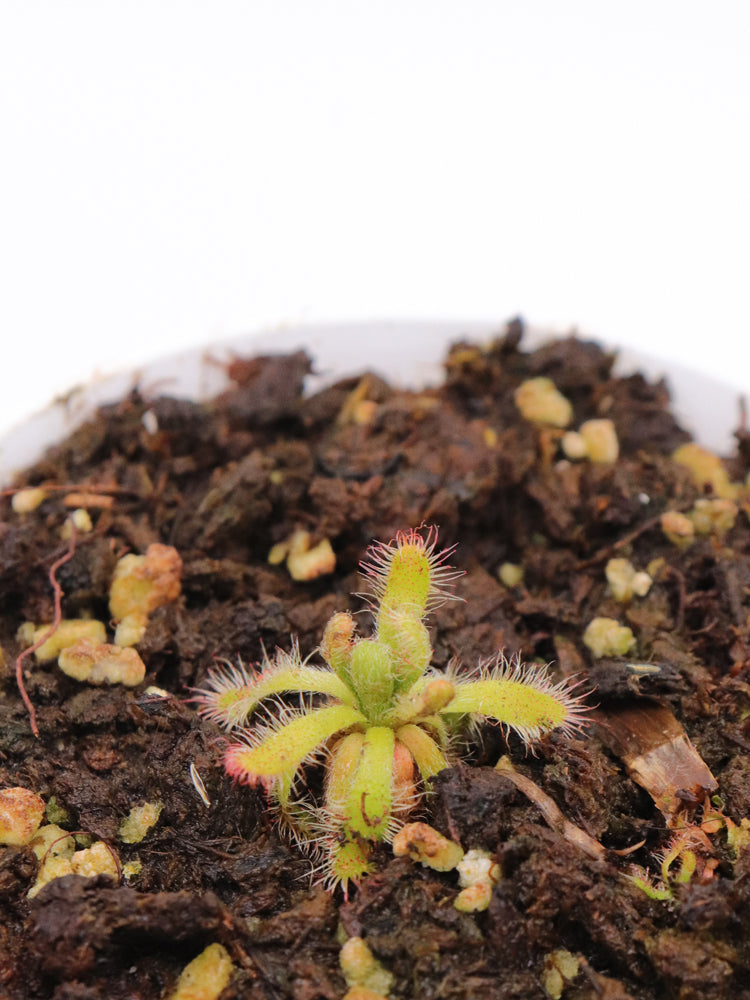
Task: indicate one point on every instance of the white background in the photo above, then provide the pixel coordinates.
(175, 172)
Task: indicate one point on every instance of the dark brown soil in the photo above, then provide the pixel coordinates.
(223, 482)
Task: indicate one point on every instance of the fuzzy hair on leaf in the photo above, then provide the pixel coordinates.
(375, 717)
(232, 693)
(278, 749)
(520, 697)
(414, 551)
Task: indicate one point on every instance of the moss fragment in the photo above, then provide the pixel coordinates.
(102, 663)
(510, 574)
(68, 633)
(560, 967)
(706, 469)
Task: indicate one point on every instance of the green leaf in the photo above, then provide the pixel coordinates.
(370, 796)
(532, 705)
(371, 669)
(349, 862)
(232, 694)
(407, 575)
(407, 583)
(341, 772)
(336, 645)
(423, 699)
(409, 642)
(427, 755)
(277, 751)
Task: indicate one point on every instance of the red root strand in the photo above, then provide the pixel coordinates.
(50, 631)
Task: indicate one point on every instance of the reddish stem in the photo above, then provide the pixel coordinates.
(50, 631)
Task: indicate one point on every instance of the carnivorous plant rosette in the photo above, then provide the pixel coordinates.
(388, 722)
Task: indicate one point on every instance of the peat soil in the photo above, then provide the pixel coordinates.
(223, 482)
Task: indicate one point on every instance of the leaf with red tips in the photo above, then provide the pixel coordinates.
(277, 753)
(231, 694)
(408, 575)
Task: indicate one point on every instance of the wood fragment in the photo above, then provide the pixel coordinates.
(551, 811)
(658, 756)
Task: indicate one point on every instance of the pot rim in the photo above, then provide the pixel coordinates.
(409, 352)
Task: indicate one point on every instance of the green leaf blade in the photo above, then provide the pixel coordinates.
(279, 750)
(427, 755)
(232, 694)
(521, 698)
(369, 803)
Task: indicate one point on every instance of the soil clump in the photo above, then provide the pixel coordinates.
(226, 480)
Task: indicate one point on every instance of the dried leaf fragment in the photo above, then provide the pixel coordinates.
(659, 756)
(551, 811)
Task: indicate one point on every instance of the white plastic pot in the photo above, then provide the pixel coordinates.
(407, 353)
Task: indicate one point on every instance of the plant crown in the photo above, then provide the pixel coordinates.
(387, 723)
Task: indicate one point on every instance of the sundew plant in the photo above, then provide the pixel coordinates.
(386, 723)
